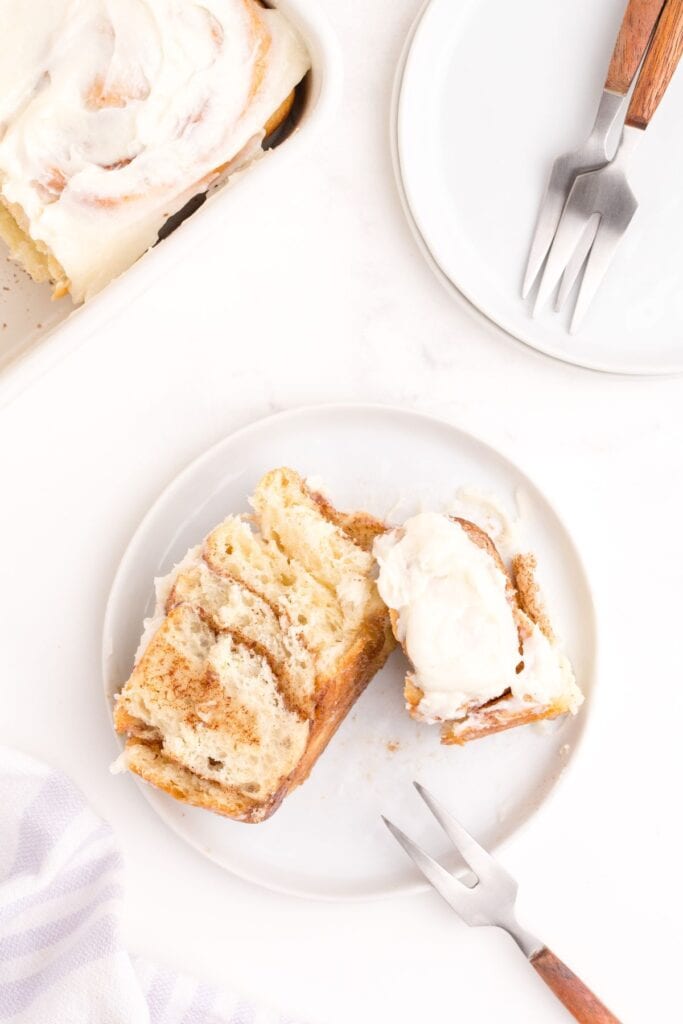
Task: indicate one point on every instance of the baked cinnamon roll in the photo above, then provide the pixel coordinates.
(113, 115)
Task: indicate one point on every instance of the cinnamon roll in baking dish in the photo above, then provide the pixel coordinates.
(115, 113)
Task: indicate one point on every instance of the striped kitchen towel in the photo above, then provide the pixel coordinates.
(61, 888)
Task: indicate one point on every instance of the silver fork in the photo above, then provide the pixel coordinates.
(491, 901)
(604, 197)
(636, 29)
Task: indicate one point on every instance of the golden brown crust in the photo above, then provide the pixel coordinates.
(496, 716)
(393, 619)
(336, 695)
(413, 694)
(124, 722)
(280, 115)
(530, 600)
(146, 760)
(33, 255)
(360, 527)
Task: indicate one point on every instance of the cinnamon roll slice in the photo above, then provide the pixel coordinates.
(114, 116)
(263, 638)
(483, 655)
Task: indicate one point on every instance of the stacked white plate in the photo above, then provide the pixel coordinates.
(488, 94)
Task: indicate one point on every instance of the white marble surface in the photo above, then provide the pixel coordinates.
(318, 293)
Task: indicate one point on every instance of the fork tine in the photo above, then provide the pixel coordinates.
(568, 235)
(548, 219)
(577, 261)
(454, 892)
(604, 247)
(479, 859)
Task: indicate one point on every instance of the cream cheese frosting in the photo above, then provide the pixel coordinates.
(457, 625)
(113, 113)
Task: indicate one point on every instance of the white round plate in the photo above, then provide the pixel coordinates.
(491, 92)
(327, 840)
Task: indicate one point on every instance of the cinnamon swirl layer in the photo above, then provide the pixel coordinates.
(114, 114)
(262, 638)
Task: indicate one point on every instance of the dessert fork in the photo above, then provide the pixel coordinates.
(491, 901)
(634, 35)
(601, 204)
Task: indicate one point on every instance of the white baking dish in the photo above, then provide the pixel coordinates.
(36, 332)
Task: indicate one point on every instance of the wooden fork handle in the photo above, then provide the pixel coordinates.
(637, 26)
(658, 67)
(570, 990)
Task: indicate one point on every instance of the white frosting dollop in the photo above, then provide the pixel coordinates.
(114, 113)
(457, 624)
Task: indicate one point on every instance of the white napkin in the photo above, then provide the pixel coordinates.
(61, 958)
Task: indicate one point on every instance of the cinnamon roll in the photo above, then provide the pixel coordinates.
(115, 113)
